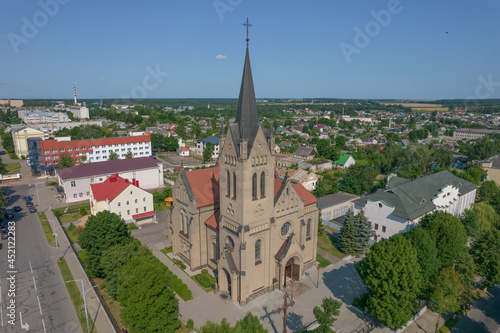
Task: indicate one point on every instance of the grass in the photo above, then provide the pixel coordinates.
(448, 325)
(132, 226)
(205, 280)
(47, 229)
(13, 167)
(52, 184)
(74, 294)
(322, 261)
(328, 243)
(73, 212)
(73, 233)
(160, 207)
(166, 250)
(113, 306)
(71, 217)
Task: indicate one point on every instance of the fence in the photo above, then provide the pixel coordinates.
(104, 305)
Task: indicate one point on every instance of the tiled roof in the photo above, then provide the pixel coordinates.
(146, 214)
(304, 194)
(213, 220)
(204, 185)
(102, 168)
(110, 189)
(54, 144)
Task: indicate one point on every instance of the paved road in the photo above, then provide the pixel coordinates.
(41, 298)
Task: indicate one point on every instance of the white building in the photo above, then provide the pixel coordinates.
(403, 203)
(44, 117)
(202, 144)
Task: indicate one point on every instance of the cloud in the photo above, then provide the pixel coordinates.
(221, 57)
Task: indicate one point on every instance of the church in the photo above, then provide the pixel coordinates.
(238, 219)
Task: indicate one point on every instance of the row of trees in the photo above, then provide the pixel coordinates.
(162, 143)
(431, 262)
(133, 275)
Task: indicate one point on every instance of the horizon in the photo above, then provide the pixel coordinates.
(389, 50)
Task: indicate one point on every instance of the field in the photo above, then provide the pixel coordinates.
(13, 168)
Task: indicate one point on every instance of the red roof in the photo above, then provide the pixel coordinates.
(146, 214)
(304, 194)
(213, 220)
(205, 185)
(183, 149)
(54, 144)
(111, 188)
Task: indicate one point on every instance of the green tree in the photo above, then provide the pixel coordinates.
(3, 168)
(443, 158)
(171, 143)
(340, 141)
(350, 184)
(4, 199)
(466, 267)
(410, 171)
(208, 151)
(325, 315)
(445, 292)
(449, 234)
(101, 232)
(427, 255)
(486, 252)
(144, 285)
(129, 154)
(65, 161)
(362, 232)
(347, 243)
(249, 324)
(393, 277)
(480, 219)
(113, 156)
(157, 142)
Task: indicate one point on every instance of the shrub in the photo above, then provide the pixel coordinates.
(204, 281)
(360, 302)
(71, 227)
(179, 263)
(83, 212)
(190, 323)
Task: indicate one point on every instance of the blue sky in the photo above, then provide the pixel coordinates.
(299, 49)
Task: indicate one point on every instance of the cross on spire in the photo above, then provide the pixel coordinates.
(248, 25)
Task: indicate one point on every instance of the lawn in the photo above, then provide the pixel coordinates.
(132, 226)
(448, 325)
(47, 229)
(322, 261)
(160, 207)
(74, 294)
(113, 306)
(13, 167)
(73, 212)
(73, 233)
(329, 243)
(166, 250)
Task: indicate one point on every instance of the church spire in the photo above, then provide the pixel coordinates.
(246, 114)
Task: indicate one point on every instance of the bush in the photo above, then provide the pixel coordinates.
(204, 281)
(180, 263)
(190, 323)
(71, 227)
(83, 212)
(360, 302)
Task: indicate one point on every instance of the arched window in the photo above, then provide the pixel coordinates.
(308, 229)
(228, 186)
(234, 185)
(182, 223)
(262, 184)
(254, 186)
(257, 251)
(230, 242)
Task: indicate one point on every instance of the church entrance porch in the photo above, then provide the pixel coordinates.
(292, 270)
(225, 285)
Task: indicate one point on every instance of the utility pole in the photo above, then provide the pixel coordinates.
(55, 236)
(84, 300)
(317, 283)
(285, 307)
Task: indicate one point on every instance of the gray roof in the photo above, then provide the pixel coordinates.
(304, 151)
(412, 199)
(211, 139)
(103, 168)
(335, 199)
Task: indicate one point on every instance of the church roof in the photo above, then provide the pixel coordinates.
(304, 194)
(204, 185)
(213, 220)
(246, 113)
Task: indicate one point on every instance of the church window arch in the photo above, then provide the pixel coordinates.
(262, 184)
(254, 186)
(308, 229)
(253, 160)
(234, 185)
(258, 250)
(228, 185)
(229, 242)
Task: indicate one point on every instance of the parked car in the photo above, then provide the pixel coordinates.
(9, 214)
(27, 198)
(32, 209)
(29, 204)
(17, 208)
(5, 234)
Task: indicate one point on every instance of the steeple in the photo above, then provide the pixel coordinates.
(246, 114)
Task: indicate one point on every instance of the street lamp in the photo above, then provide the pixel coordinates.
(55, 236)
(318, 267)
(84, 300)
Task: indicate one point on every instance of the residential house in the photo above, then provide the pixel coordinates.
(124, 198)
(344, 161)
(202, 144)
(400, 206)
(285, 144)
(304, 152)
(306, 178)
(183, 151)
(405, 143)
(492, 167)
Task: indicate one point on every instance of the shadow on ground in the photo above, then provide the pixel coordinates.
(344, 283)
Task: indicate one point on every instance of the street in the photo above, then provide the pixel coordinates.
(33, 293)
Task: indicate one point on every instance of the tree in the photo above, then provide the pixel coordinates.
(157, 142)
(101, 232)
(362, 232)
(448, 233)
(340, 141)
(410, 171)
(445, 292)
(248, 324)
(208, 151)
(113, 156)
(144, 285)
(129, 154)
(489, 192)
(427, 255)
(443, 158)
(3, 168)
(325, 315)
(65, 161)
(393, 277)
(171, 144)
(350, 184)
(480, 219)
(347, 243)
(486, 253)
(4, 199)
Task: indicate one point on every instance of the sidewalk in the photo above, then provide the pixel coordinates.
(102, 323)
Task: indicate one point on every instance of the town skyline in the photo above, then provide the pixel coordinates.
(388, 50)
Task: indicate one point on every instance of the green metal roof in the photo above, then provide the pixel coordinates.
(412, 199)
(343, 159)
